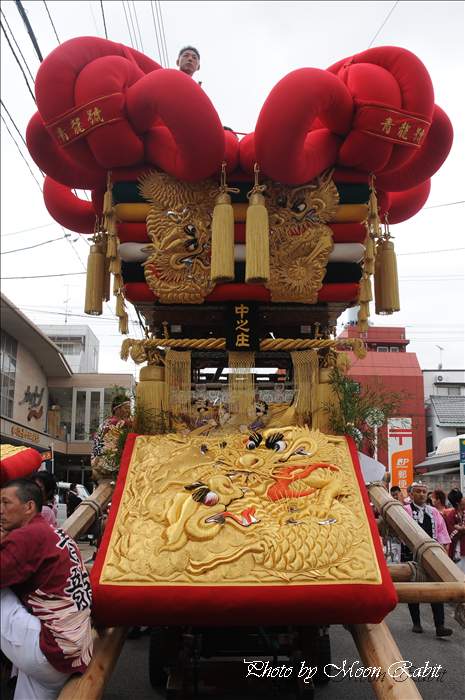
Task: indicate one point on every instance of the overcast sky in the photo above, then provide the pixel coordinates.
(246, 48)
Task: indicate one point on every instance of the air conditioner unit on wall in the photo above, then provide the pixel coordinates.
(440, 379)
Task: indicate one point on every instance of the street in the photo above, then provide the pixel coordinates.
(130, 677)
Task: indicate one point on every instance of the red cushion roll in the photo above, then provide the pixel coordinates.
(18, 462)
(346, 292)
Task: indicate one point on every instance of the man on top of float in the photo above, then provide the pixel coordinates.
(188, 60)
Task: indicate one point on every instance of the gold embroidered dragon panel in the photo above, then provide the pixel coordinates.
(179, 227)
(266, 508)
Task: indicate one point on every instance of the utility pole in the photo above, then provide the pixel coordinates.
(441, 349)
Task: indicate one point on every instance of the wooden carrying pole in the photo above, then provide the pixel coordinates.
(79, 522)
(430, 592)
(401, 572)
(377, 648)
(431, 555)
(90, 686)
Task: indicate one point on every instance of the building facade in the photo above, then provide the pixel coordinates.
(390, 367)
(43, 403)
(445, 404)
(78, 344)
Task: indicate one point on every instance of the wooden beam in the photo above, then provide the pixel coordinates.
(79, 522)
(430, 554)
(401, 572)
(91, 685)
(430, 592)
(378, 649)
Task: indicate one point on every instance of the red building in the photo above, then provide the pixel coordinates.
(389, 365)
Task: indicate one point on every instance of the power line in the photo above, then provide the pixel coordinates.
(14, 123)
(137, 23)
(36, 245)
(132, 24)
(448, 204)
(36, 277)
(162, 31)
(26, 230)
(382, 25)
(32, 36)
(127, 24)
(156, 34)
(428, 252)
(103, 17)
(51, 22)
(20, 151)
(17, 45)
(19, 64)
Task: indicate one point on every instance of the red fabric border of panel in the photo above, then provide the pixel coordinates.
(239, 605)
(139, 292)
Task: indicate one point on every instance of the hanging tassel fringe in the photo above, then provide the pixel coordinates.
(222, 257)
(327, 397)
(257, 236)
(365, 289)
(386, 280)
(120, 310)
(150, 399)
(178, 382)
(123, 324)
(112, 246)
(241, 385)
(364, 311)
(115, 266)
(305, 364)
(94, 281)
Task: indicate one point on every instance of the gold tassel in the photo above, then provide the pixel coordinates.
(95, 281)
(112, 247)
(178, 382)
(365, 289)
(364, 311)
(369, 260)
(386, 279)
(241, 385)
(326, 397)
(123, 324)
(257, 236)
(373, 214)
(115, 266)
(108, 197)
(117, 284)
(222, 245)
(120, 310)
(305, 364)
(150, 399)
(363, 326)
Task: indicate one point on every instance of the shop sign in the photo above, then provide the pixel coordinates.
(400, 451)
(24, 434)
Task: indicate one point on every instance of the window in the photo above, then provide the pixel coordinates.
(64, 399)
(382, 348)
(69, 345)
(88, 410)
(453, 391)
(394, 348)
(8, 348)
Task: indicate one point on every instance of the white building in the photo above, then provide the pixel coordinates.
(444, 404)
(78, 344)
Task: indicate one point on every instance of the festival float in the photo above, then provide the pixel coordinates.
(236, 508)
